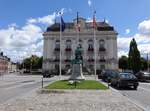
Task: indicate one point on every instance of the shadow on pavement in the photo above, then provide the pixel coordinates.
(124, 88)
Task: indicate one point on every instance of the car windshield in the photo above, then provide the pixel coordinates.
(111, 73)
(127, 76)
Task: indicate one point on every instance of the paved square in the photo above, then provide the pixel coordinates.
(71, 100)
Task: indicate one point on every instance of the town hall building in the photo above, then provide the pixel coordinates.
(106, 46)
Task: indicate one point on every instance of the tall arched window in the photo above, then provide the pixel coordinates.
(102, 43)
(57, 45)
(68, 44)
(90, 43)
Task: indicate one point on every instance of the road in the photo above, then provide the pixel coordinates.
(141, 96)
(14, 85)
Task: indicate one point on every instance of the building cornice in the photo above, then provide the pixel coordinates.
(90, 33)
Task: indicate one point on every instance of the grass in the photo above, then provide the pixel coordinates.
(86, 84)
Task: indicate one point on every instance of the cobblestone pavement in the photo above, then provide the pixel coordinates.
(71, 100)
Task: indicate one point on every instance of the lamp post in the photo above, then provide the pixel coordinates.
(31, 63)
(147, 62)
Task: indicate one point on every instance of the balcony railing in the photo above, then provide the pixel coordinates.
(67, 60)
(91, 49)
(56, 60)
(102, 60)
(68, 49)
(101, 49)
(57, 49)
(90, 60)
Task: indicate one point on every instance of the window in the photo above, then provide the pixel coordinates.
(57, 44)
(101, 43)
(68, 44)
(90, 43)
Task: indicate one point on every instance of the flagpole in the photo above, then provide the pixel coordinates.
(60, 49)
(77, 29)
(78, 38)
(95, 49)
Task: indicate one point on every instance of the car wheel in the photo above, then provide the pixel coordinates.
(135, 87)
(111, 84)
(118, 85)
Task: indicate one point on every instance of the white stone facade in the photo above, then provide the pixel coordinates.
(106, 46)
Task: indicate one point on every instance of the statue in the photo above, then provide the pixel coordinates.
(77, 73)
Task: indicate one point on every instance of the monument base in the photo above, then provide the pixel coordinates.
(77, 73)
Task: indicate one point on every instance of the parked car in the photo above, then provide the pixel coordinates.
(121, 80)
(106, 75)
(143, 76)
(128, 71)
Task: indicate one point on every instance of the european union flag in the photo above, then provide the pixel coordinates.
(62, 25)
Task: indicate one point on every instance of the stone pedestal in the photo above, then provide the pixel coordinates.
(77, 73)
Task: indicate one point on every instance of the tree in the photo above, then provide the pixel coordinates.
(33, 62)
(26, 63)
(134, 57)
(123, 63)
(144, 64)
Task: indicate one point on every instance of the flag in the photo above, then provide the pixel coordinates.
(94, 20)
(78, 25)
(62, 25)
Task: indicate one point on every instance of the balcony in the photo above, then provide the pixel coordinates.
(68, 50)
(102, 49)
(90, 60)
(90, 49)
(102, 60)
(67, 60)
(56, 60)
(57, 49)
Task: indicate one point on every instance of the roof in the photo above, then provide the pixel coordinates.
(101, 26)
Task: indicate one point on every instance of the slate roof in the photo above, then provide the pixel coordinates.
(101, 26)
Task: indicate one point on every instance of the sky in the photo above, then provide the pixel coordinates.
(22, 22)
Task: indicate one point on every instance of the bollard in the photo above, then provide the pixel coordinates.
(108, 85)
(75, 83)
(108, 82)
(42, 82)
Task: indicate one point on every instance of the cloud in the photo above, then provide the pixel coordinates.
(32, 20)
(20, 42)
(89, 3)
(47, 20)
(144, 27)
(123, 43)
(127, 31)
(107, 21)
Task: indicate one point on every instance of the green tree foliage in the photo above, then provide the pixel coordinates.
(33, 62)
(134, 57)
(144, 64)
(123, 62)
